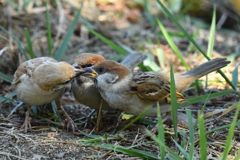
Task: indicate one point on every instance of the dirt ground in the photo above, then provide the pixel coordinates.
(47, 141)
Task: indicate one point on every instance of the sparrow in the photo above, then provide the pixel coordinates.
(134, 92)
(83, 88)
(41, 80)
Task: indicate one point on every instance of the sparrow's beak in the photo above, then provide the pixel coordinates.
(90, 73)
(86, 72)
(75, 65)
(78, 69)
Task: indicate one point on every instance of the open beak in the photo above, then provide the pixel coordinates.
(86, 72)
(90, 73)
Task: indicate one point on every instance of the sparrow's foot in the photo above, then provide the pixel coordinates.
(69, 121)
(71, 124)
(27, 124)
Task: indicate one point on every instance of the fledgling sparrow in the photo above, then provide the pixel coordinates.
(135, 92)
(41, 80)
(83, 88)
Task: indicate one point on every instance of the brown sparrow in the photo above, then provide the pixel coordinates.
(41, 80)
(135, 92)
(83, 88)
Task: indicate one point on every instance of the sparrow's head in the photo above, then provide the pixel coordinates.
(87, 60)
(50, 75)
(111, 75)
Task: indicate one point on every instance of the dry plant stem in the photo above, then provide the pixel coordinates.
(8, 154)
(27, 122)
(104, 155)
(99, 117)
(88, 118)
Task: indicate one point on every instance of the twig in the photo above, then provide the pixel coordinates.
(9, 154)
(13, 135)
(104, 155)
(60, 142)
(87, 118)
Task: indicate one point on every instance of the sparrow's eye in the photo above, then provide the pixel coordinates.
(89, 65)
(101, 70)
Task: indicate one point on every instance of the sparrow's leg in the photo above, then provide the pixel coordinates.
(99, 117)
(27, 122)
(69, 120)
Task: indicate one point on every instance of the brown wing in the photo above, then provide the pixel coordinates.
(152, 87)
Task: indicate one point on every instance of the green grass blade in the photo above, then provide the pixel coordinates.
(12, 3)
(34, 109)
(205, 103)
(138, 117)
(202, 137)
(49, 32)
(235, 76)
(5, 77)
(2, 98)
(160, 143)
(149, 16)
(195, 35)
(61, 50)
(197, 87)
(238, 156)
(195, 126)
(108, 42)
(134, 152)
(204, 97)
(52, 116)
(182, 150)
(87, 141)
(172, 44)
(212, 33)
(230, 134)
(10, 95)
(126, 48)
(211, 39)
(29, 43)
(222, 127)
(151, 63)
(85, 21)
(17, 41)
(160, 55)
(161, 135)
(191, 39)
(191, 133)
(173, 101)
(55, 109)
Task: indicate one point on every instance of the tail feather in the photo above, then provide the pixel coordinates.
(207, 67)
(132, 60)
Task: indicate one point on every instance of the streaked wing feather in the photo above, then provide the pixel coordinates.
(151, 87)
